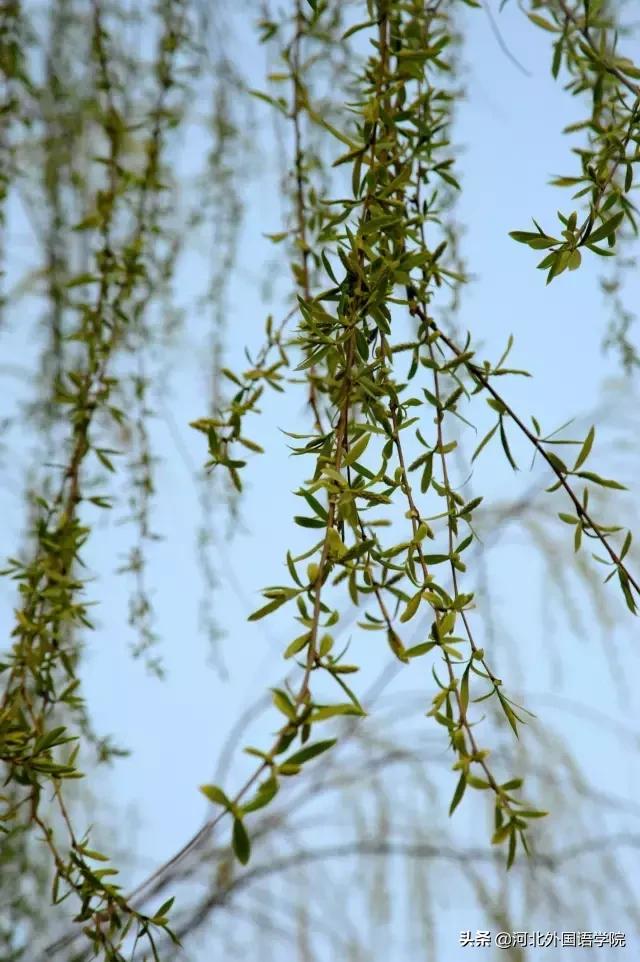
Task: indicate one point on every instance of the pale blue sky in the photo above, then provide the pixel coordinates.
(510, 128)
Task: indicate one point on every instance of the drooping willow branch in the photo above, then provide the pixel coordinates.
(342, 346)
(584, 519)
(40, 674)
(394, 151)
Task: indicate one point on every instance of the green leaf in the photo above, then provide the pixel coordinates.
(420, 649)
(51, 738)
(459, 792)
(328, 268)
(267, 609)
(557, 58)
(292, 570)
(217, 796)
(356, 450)
(559, 263)
(537, 240)
(412, 606)
(305, 522)
(358, 26)
(602, 251)
(395, 644)
(241, 843)
(315, 505)
(603, 482)
(278, 104)
(541, 22)
(266, 791)
(283, 703)
(514, 783)
(575, 260)
(331, 711)
(505, 445)
(484, 441)
(628, 179)
(97, 856)
(297, 645)
(511, 854)
(511, 716)
(626, 591)
(464, 689)
(606, 229)
(556, 462)
(501, 834)
(309, 752)
(480, 783)
(577, 538)
(586, 448)
(164, 908)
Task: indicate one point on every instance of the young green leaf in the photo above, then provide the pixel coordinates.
(241, 842)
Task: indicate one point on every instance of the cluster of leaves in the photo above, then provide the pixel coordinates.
(383, 252)
(585, 44)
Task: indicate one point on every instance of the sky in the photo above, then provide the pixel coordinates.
(510, 132)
